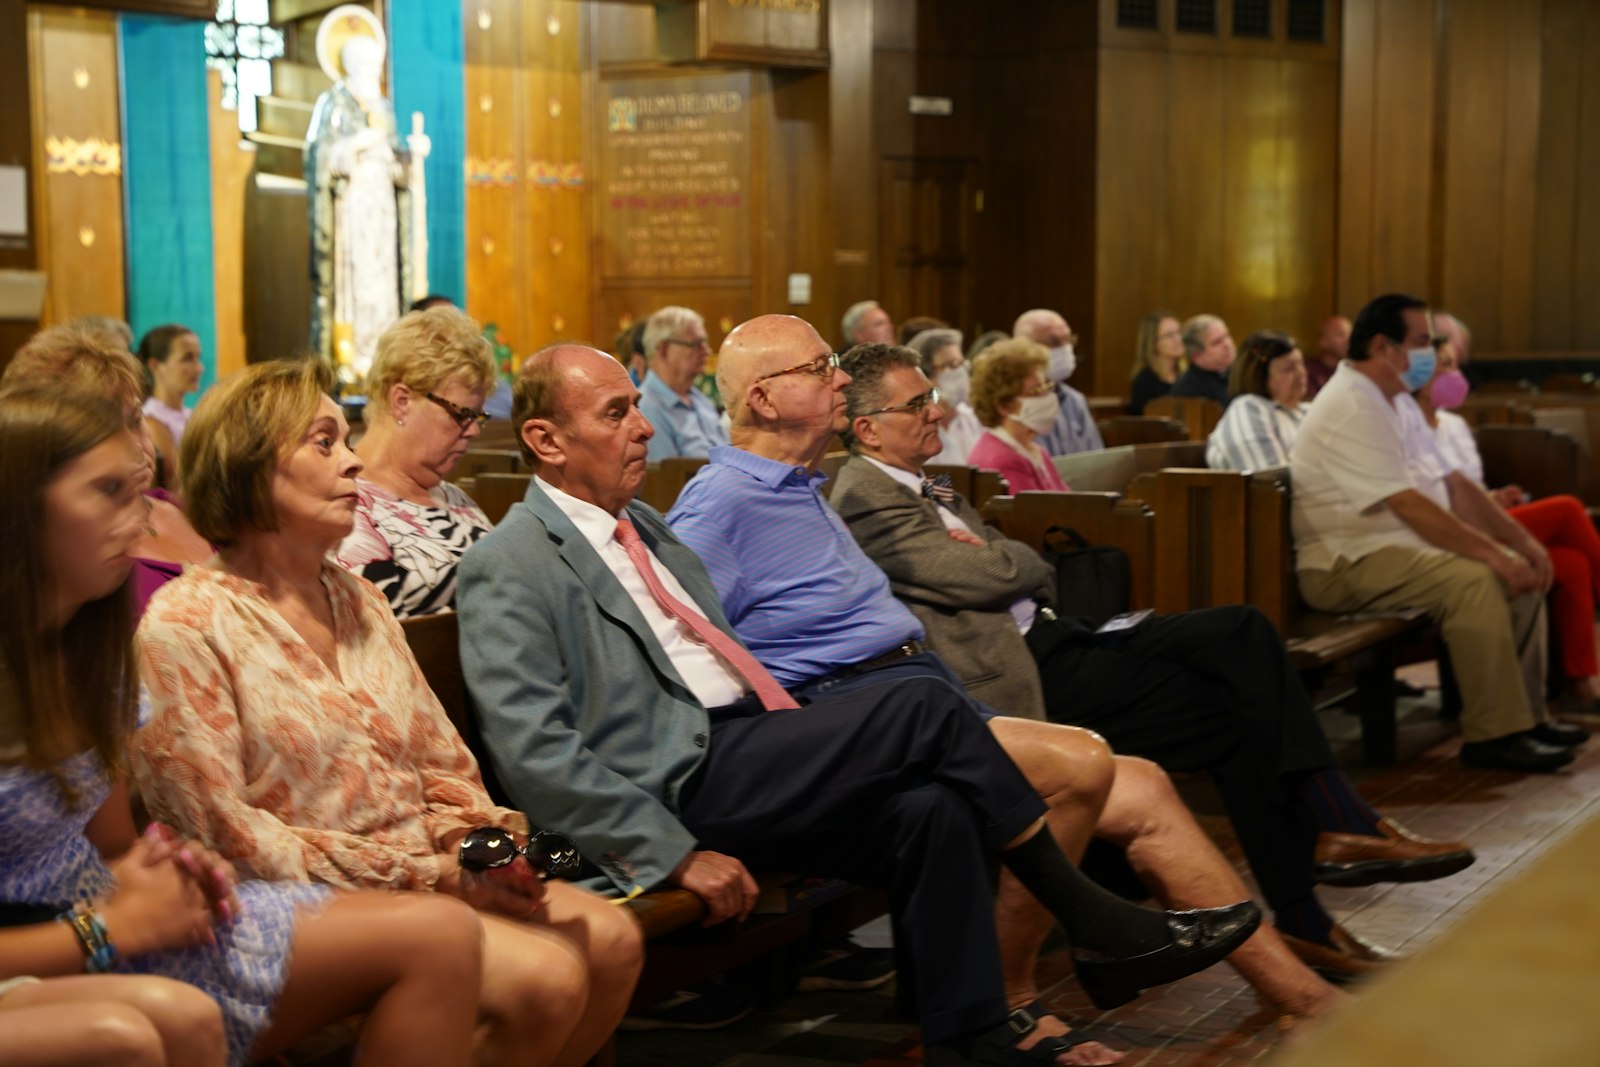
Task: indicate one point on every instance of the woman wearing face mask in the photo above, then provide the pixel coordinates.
(1560, 523)
(1012, 396)
(946, 367)
(1157, 359)
(1268, 383)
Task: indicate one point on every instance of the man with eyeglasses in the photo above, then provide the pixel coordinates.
(1075, 429)
(1383, 522)
(1209, 347)
(618, 705)
(685, 420)
(1208, 691)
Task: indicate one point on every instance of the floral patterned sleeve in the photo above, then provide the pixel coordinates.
(190, 764)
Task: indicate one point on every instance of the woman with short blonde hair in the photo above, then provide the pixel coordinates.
(1012, 396)
(427, 385)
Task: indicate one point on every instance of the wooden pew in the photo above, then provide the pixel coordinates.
(1110, 470)
(495, 493)
(1366, 645)
(476, 461)
(663, 481)
(681, 952)
(1101, 518)
(1141, 430)
(1543, 461)
(974, 483)
(1200, 534)
(1496, 411)
(1200, 414)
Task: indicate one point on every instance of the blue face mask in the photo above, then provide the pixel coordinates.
(1419, 368)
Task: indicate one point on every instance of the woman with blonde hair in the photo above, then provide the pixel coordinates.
(292, 730)
(1157, 359)
(426, 387)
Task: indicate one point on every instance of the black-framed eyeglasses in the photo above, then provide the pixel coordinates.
(821, 367)
(915, 406)
(551, 854)
(697, 343)
(464, 417)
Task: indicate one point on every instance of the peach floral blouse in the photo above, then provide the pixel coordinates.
(256, 748)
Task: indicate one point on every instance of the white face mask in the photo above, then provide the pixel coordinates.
(1039, 413)
(1063, 361)
(955, 386)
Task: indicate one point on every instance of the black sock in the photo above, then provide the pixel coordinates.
(1337, 805)
(1306, 919)
(1094, 918)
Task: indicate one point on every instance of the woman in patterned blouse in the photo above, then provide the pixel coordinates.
(427, 385)
(293, 731)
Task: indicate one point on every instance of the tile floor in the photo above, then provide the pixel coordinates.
(1213, 1018)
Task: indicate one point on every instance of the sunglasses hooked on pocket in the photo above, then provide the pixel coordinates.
(549, 853)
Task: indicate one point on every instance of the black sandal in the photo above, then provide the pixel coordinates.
(999, 1046)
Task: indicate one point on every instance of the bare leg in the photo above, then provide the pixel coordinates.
(1180, 865)
(606, 938)
(412, 960)
(112, 1019)
(535, 992)
(1072, 769)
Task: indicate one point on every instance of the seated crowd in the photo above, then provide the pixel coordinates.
(876, 686)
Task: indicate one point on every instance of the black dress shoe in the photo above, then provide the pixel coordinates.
(1197, 939)
(1559, 734)
(1515, 752)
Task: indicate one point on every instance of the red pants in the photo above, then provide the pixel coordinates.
(1561, 524)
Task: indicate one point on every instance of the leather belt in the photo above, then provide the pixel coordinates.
(894, 655)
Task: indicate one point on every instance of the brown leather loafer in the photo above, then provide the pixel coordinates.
(1397, 856)
(1346, 959)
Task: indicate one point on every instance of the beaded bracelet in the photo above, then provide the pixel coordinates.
(100, 955)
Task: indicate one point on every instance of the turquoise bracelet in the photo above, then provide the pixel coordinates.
(100, 955)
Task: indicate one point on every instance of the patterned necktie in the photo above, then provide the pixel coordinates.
(772, 695)
(940, 490)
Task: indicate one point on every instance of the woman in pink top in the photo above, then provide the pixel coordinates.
(1016, 401)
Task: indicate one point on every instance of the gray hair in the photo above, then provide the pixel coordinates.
(1194, 333)
(852, 318)
(1028, 321)
(929, 343)
(867, 364)
(664, 323)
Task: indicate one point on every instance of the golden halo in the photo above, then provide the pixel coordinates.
(341, 24)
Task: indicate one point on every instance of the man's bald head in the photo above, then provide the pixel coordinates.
(764, 345)
(1043, 326)
(545, 382)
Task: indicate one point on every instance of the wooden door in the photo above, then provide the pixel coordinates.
(926, 210)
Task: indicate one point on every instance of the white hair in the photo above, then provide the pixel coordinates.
(852, 318)
(664, 323)
(1029, 322)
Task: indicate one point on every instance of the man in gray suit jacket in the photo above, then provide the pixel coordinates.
(1205, 691)
(606, 718)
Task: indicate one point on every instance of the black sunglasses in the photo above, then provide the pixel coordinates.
(551, 854)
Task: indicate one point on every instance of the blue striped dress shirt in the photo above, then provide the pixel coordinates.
(797, 588)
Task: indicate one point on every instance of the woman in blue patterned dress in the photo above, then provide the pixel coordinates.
(71, 507)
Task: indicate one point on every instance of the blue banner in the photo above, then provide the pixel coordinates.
(428, 65)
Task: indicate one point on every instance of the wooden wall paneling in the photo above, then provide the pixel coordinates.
(230, 175)
(1197, 104)
(1309, 173)
(852, 163)
(796, 234)
(78, 152)
(723, 305)
(1134, 252)
(1403, 189)
(1357, 120)
(624, 34)
(16, 150)
(1522, 50)
(1586, 265)
(1254, 196)
(494, 207)
(1560, 135)
(1474, 182)
(553, 180)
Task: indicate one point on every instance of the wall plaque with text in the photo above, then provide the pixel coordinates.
(675, 177)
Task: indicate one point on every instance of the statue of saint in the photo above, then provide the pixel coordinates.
(368, 234)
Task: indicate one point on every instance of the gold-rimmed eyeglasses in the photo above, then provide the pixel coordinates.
(821, 367)
(464, 417)
(915, 406)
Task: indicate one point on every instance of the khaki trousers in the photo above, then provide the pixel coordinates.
(1497, 647)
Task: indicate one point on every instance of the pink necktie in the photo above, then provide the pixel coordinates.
(771, 694)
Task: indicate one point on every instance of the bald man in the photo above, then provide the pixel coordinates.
(618, 705)
(1075, 429)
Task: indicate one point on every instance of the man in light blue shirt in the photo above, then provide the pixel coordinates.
(685, 420)
(1075, 429)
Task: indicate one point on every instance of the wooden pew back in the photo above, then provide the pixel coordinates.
(495, 493)
(1542, 461)
(1200, 539)
(1141, 430)
(1101, 518)
(478, 461)
(974, 483)
(1199, 414)
(663, 481)
(1110, 470)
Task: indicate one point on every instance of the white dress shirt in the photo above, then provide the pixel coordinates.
(707, 677)
(1355, 450)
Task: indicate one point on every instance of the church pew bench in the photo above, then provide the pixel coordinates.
(974, 483)
(1495, 411)
(1543, 461)
(476, 461)
(1101, 519)
(1141, 430)
(665, 479)
(1109, 470)
(681, 952)
(1367, 646)
(496, 492)
(1199, 414)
